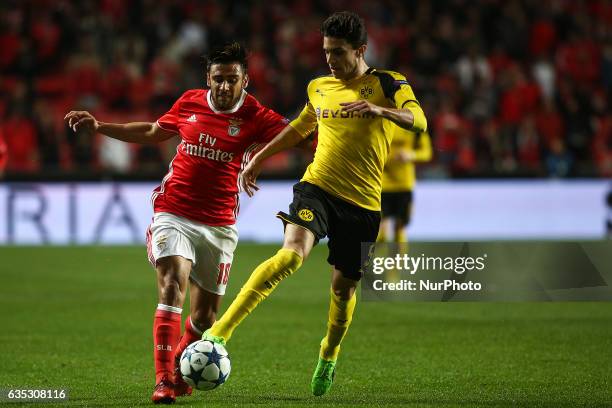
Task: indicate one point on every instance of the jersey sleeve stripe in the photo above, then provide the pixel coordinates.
(410, 100)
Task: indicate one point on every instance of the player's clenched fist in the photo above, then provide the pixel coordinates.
(81, 120)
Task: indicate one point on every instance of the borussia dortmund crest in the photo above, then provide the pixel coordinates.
(366, 92)
(306, 215)
(234, 127)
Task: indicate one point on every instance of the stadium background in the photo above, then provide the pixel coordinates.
(517, 94)
(510, 88)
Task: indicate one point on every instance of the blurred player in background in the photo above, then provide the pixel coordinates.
(399, 178)
(339, 195)
(192, 238)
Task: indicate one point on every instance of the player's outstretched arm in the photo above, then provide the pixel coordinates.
(288, 137)
(411, 117)
(133, 132)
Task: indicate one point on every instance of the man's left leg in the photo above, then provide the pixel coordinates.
(401, 221)
(203, 313)
(350, 229)
(341, 308)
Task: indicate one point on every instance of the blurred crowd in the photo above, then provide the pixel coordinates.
(511, 88)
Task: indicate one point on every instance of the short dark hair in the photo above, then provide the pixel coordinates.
(231, 53)
(347, 26)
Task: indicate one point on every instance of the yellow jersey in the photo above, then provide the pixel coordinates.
(352, 148)
(399, 174)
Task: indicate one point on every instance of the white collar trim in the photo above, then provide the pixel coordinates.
(237, 106)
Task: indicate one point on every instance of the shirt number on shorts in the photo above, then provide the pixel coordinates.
(224, 270)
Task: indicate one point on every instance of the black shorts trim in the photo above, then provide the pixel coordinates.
(287, 219)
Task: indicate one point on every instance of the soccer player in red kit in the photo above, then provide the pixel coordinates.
(192, 238)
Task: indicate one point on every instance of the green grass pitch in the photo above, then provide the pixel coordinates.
(81, 319)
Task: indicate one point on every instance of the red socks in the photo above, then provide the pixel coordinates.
(190, 335)
(166, 333)
(168, 341)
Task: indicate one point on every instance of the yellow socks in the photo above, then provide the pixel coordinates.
(339, 320)
(401, 241)
(262, 282)
(400, 236)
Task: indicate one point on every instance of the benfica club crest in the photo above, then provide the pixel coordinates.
(234, 127)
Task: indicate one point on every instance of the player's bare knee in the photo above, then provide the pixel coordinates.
(298, 239)
(301, 247)
(300, 251)
(298, 247)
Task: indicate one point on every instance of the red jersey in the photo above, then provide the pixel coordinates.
(202, 181)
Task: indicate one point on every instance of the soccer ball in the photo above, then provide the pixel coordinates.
(205, 365)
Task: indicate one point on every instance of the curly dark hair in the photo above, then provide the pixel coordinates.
(347, 26)
(228, 54)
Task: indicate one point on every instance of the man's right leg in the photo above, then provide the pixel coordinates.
(172, 277)
(296, 247)
(382, 231)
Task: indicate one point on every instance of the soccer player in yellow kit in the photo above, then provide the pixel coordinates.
(399, 178)
(339, 195)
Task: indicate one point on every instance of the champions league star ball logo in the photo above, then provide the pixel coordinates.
(234, 127)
